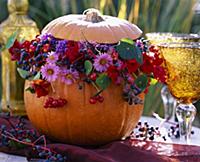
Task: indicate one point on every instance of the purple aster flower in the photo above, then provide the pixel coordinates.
(61, 47)
(102, 62)
(52, 57)
(69, 76)
(50, 72)
(45, 36)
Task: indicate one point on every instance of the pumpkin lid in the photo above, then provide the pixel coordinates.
(92, 26)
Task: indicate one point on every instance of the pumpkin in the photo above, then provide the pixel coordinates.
(80, 122)
(92, 26)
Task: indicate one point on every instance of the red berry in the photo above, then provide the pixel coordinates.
(93, 76)
(92, 100)
(32, 48)
(100, 98)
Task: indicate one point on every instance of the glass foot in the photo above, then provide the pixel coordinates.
(185, 114)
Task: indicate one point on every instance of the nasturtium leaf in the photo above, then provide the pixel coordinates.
(142, 81)
(37, 76)
(11, 40)
(129, 51)
(30, 89)
(23, 73)
(127, 40)
(88, 67)
(103, 81)
(153, 81)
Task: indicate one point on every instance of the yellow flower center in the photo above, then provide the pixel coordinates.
(50, 71)
(69, 76)
(51, 57)
(103, 61)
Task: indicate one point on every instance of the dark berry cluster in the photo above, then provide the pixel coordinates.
(144, 131)
(130, 94)
(17, 132)
(18, 136)
(174, 132)
(54, 103)
(49, 155)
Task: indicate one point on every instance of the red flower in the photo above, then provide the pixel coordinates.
(72, 52)
(15, 51)
(26, 45)
(159, 73)
(113, 73)
(132, 65)
(41, 87)
(147, 66)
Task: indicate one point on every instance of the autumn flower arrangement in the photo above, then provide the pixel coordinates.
(46, 59)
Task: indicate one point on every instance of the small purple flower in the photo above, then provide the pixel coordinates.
(102, 62)
(61, 47)
(45, 36)
(69, 76)
(52, 57)
(50, 72)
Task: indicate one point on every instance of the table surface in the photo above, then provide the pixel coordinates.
(195, 140)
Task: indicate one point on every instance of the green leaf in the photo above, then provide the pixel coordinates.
(30, 89)
(142, 81)
(11, 40)
(16, 145)
(36, 77)
(153, 81)
(23, 73)
(2, 48)
(127, 40)
(129, 51)
(103, 81)
(88, 67)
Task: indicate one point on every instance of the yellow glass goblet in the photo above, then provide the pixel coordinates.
(156, 38)
(182, 62)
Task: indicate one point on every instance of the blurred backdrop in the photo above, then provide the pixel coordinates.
(181, 16)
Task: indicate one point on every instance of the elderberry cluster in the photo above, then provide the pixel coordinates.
(130, 94)
(54, 103)
(49, 155)
(18, 132)
(144, 132)
(19, 137)
(174, 132)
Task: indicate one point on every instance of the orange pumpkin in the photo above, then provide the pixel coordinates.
(80, 122)
(92, 26)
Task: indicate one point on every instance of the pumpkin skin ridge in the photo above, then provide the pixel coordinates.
(102, 113)
(133, 31)
(120, 27)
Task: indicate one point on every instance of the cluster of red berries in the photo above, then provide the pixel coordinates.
(94, 99)
(54, 103)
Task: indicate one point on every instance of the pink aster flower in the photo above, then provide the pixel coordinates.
(69, 76)
(50, 72)
(52, 57)
(102, 62)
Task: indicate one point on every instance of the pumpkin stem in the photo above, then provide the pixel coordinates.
(93, 15)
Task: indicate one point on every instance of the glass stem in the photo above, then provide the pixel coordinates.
(169, 103)
(185, 114)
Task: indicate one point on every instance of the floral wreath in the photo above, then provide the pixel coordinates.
(46, 59)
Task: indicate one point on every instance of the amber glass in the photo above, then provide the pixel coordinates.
(159, 38)
(182, 64)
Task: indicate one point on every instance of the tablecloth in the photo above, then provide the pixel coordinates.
(129, 150)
